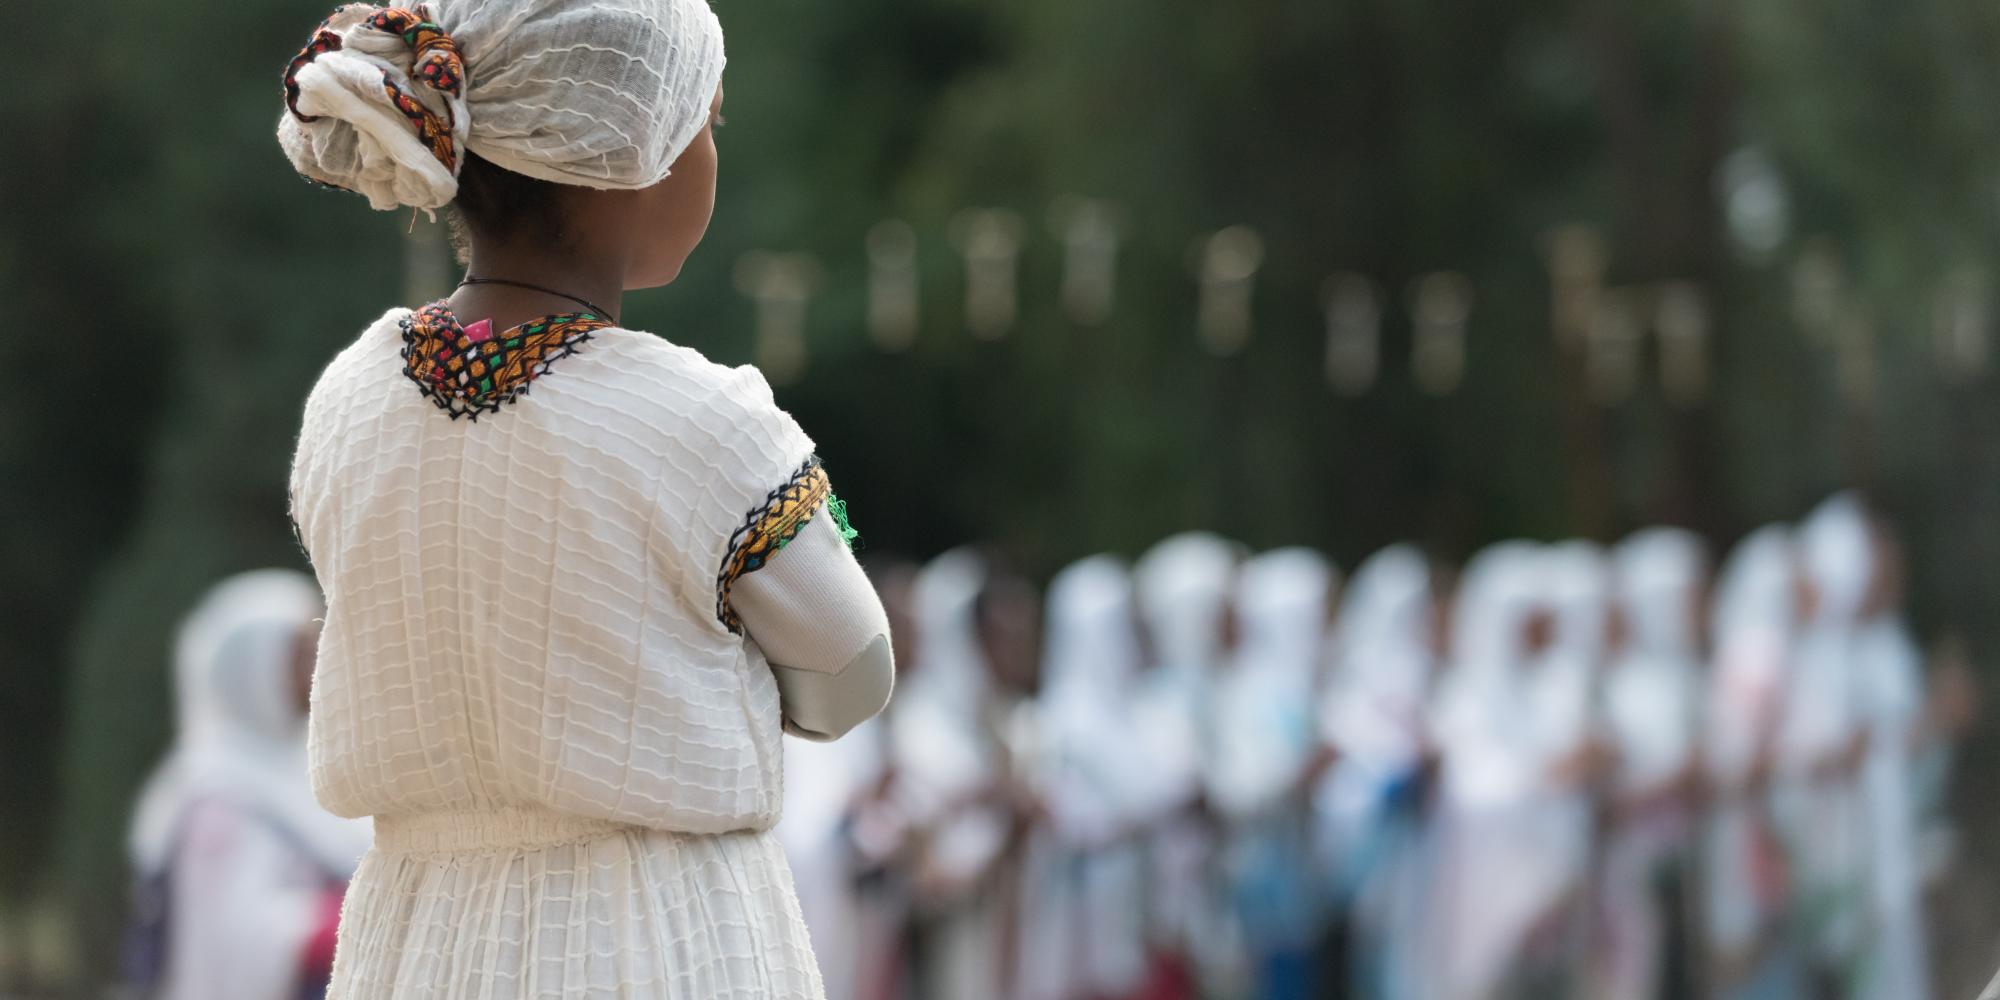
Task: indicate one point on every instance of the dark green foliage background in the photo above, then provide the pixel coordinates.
(174, 289)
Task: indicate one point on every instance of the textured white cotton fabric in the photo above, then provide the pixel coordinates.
(524, 679)
(596, 93)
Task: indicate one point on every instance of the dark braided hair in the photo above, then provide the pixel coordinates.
(495, 203)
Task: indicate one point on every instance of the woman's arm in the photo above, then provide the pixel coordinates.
(817, 618)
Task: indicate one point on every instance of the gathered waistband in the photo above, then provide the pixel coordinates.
(501, 828)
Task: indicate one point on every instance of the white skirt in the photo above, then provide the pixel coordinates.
(513, 904)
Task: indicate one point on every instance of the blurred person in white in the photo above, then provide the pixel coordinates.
(1568, 758)
(240, 871)
(1487, 775)
(1083, 932)
(1007, 620)
(1182, 585)
(1753, 627)
(1907, 727)
(1651, 700)
(844, 835)
(1370, 814)
(566, 633)
(1520, 757)
(1265, 755)
(950, 773)
(1824, 741)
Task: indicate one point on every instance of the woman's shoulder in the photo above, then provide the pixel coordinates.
(685, 377)
(340, 376)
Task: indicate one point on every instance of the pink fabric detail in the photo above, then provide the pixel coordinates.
(480, 331)
(316, 957)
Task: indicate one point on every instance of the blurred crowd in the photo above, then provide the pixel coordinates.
(1561, 770)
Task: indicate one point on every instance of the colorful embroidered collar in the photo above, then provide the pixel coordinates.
(469, 370)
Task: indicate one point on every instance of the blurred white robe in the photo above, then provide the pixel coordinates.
(1651, 693)
(1373, 710)
(230, 811)
(1181, 584)
(1265, 739)
(1753, 623)
(1082, 929)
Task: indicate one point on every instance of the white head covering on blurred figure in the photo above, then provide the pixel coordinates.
(227, 826)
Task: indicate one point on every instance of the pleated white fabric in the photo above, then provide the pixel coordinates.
(525, 903)
(572, 761)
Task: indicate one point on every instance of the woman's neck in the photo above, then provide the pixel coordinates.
(594, 279)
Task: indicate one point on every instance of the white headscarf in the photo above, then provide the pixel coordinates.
(1264, 699)
(241, 737)
(596, 93)
(1180, 585)
(937, 734)
(1373, 709)
(1836, 552)
(1650, 689)
(1089, 663)
(1478, 703)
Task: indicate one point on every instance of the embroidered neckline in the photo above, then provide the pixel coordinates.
(472, 370)
(768, 528)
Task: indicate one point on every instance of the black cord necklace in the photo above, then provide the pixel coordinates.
(586, 303)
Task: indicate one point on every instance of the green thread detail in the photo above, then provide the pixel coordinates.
(838, 508)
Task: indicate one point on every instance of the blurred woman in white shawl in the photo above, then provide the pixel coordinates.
(1266, 754)
(1182, 585)
(1901, 730)
(1083, 933)
(1485, 777)
(1369, 808)
(948, 768)
(1753, 628)
(1651, 700)
(1565, 759)
(240, 870)
(1823, 742)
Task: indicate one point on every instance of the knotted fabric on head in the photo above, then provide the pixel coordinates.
(598, 93)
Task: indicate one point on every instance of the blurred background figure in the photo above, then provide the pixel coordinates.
(1265, 755)
(1182, 585)
(1753, 628)
(1651, 698)
(1823, 742)
(1482, 907)
(240, 872)
(1082, 916)
(1372, 808)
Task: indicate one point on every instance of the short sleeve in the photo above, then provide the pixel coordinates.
(767, 484)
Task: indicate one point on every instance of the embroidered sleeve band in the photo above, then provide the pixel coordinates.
(767, 529)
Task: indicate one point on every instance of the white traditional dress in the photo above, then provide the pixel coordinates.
(532, 674)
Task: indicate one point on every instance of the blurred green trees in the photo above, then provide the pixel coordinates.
(175, 290)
